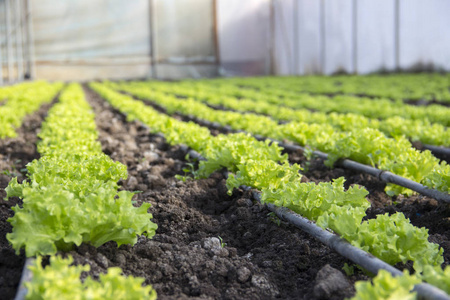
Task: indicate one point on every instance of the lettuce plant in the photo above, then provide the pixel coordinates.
(60, 280)
(385, 286)
(70, 196)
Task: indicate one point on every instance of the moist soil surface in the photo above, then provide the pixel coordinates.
(209, 245)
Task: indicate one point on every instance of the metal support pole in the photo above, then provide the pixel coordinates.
(18, 39)
(355, 36)
(30, 42)
(152, 39)
(216, 35)
(272, 38)
(1, 43)
(23, 16)
(322, 36)
(297, 69)
(397, 34)
(8, 40)
(1, 65)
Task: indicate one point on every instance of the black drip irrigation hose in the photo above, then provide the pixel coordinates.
(385, 176)
(338, 244)
(438, 150)
(382, 175)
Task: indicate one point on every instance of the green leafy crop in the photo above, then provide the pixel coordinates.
(70, 196)
(394, 239)
(61, 281)
(23, 99)
(385, 286)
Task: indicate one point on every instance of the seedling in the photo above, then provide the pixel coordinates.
(309, 154)
(349, 270)
(189, 172)
(274, 218)
(10, 174)
(222, 243)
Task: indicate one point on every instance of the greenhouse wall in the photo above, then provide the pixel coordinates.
(93, 39)
(361, 36)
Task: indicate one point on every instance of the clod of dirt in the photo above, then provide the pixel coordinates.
(243, 274)
(262, 283)
(151, 156)
(211, 243)
(330, 282)
(132, 182)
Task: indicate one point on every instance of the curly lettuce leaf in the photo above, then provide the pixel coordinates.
(60, 280)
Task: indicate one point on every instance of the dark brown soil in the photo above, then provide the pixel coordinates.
(260, 258)
(15, 153)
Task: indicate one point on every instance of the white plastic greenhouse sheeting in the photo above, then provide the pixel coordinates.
(375, 36)
(86, 39)
(424, 32)
(184, 38)
(244, 36)
(362, 36)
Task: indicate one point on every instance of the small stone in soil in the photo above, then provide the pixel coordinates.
(132, 182)
(244, 202)
(243, 274)
(210, 243)
(102, 260)
(120, 259)
(151, 156)
(330, 281)
(262, 283)
(221, 252)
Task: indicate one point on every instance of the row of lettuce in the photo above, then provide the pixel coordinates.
(262, 166)
(416, 130)
(364, 145)
(21, 100)
(71, 197)
(393, 86)
(273, 90)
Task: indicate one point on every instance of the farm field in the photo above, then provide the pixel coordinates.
(194, 231)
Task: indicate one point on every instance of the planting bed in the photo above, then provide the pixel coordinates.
(208, 245)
